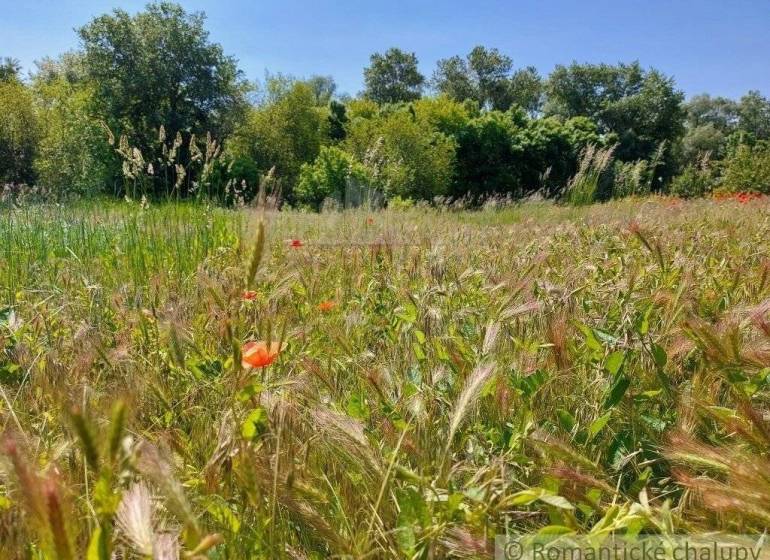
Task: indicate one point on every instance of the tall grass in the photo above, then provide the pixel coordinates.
(583, 186)
(531, 368)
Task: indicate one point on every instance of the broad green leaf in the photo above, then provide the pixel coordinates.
(598, 424)
(659, 355)
(616, 392)
(614, 362)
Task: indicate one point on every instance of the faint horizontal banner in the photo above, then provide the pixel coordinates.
(717, 546)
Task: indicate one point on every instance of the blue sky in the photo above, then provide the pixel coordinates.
(717, 46)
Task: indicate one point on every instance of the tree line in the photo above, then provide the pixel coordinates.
(149, 105)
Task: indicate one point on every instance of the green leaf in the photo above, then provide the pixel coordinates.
(556, 501)
(614, 362)
(250, 390)
(655, 423)
(255, 423)
(590, 338)
(526, 497)
(598, 424)
(555, 530)
(408, 313)
(356, 407)
(616, 392)
(659, 355)
(643, 321)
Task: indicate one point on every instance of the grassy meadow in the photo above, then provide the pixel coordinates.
(425, 379)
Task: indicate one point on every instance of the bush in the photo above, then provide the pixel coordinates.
(18, 133)
(404, 155)
(333, 174)
(283, 134)
(694, 181)
(747, 169)
(74, 155)
(398, 203)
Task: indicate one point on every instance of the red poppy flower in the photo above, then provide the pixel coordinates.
(326, 306)
(296, 243)
(257, 354)
(249, 295)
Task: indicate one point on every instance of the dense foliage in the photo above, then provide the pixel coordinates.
(127, 112)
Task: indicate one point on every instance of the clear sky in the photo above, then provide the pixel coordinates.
(716, 46)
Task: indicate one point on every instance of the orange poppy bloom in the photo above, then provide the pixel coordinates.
(249, 295)
(296, 243)
(326, 305)
(370, 220)
(257, 354)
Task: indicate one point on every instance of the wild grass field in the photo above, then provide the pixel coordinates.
(188, 380)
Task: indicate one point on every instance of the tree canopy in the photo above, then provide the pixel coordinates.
(393, 77)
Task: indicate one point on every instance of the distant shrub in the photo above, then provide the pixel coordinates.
(73, 154)
(284, 133)
(398, 203)
(747, 169)
(694, 181)
(404, 154)
(329, 176)
(18, 133)
(631, 178)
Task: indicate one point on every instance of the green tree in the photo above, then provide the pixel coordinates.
(526, 90)
(720, 112)
(485, 76)
(754, 115)
(709, 121)
(330, 176)
(284, 133)
(404, 155)
(642, 108)
(9, 69)
(337, 119)
(747, 169)
(19, 132)
(73, 153)
(159, 68)
(323, 88)
(393, 77)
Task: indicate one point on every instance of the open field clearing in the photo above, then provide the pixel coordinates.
(379, 385)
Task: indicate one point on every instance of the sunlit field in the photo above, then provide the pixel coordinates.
(248, 384)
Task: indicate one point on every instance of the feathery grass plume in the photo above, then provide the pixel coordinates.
(167, 547)
(582, 187)
(159, 471)
(345, 435)
(207, 543)
(459, 542)
(490, 338)
(467, 399)
(728, 480)
(135, 519)
(177, 349)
